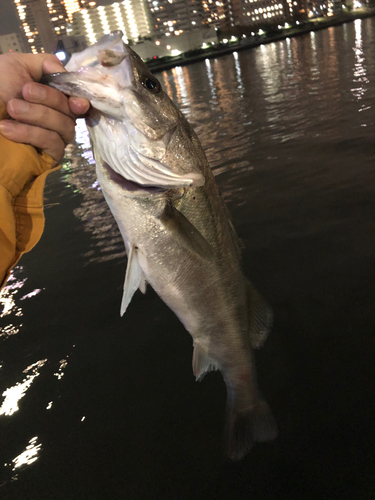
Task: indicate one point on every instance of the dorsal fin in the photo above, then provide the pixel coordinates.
(185, 233)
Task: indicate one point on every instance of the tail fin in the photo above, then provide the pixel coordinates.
(245, 428)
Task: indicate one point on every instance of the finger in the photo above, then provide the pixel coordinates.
(79, 106)
(34, 64)
(53, 65)
(42, 116)
(40, 138)
(42, 94)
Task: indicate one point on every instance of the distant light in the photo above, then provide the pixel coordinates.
(225, 40)
(168, 47)
(176, 52)
(61, 55)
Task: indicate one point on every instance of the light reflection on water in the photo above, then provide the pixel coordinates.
(29, 456)
(93, 211)
(12, 395)
(359, 70)
(8, 293)
(60, 373)
(9, 307)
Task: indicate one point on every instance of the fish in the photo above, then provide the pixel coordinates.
(178, 233)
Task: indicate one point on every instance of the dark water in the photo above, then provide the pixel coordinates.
(98, 407)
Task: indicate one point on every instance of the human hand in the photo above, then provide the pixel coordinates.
(45, 117)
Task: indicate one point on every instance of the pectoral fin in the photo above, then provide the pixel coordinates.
(185, 233)
(133, 278)
(260, 317)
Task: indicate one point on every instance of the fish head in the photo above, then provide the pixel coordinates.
(141, 135)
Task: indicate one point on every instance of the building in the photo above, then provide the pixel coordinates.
(11, 43)
(45, 21)
(58, 16)
(174, 45)
(72, 6)
(211, 13)
(42, 22)
(258, 13)
(176, 16)
(36, 24)
(129, 16)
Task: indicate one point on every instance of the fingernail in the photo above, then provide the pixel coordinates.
(53, 66)
(37, 92)
(82, 105)
(18, 106)
(6, 127)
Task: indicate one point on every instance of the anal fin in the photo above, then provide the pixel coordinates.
(133, 278)
(202, 363)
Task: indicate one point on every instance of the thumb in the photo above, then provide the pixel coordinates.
(53, 65)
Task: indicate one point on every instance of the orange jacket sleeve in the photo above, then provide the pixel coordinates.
(23, 172)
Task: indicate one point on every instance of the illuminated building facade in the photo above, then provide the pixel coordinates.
(72, 6)
(45, 21)
(258, 12)
(211, 12)
(225, 14)
(58, 16)
(11, 43)
(317, 8)
(130, 16)
(297, 9)
(176, 16)
(37, 25)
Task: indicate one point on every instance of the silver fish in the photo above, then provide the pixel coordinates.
(177, 231)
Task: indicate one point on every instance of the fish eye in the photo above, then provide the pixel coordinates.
(151, 84)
